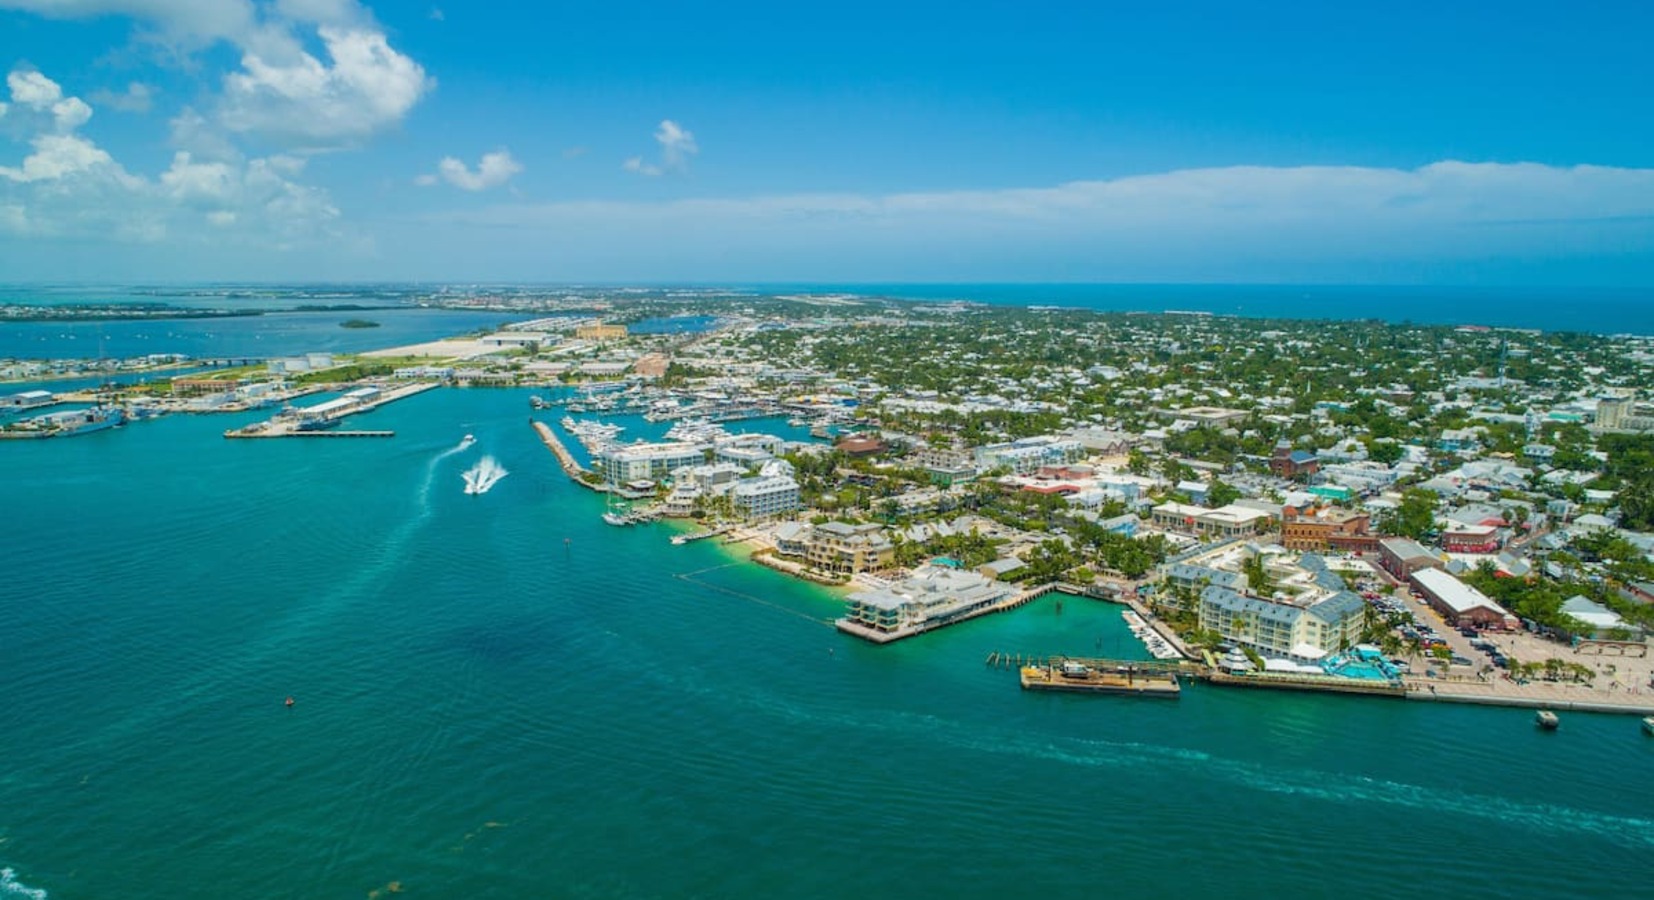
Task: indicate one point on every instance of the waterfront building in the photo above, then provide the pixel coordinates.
(765, 496)
(847, 549)
(26, 400)
(1283, 629)
(1197, 578)
(1001, 569)
(1402, 557)
(1459, 603)
(930, 597)
(645, 462)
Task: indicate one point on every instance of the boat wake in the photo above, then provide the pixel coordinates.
(482, 477)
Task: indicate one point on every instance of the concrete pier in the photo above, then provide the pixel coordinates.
(289, 425)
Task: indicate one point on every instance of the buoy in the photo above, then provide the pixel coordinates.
(289, 702)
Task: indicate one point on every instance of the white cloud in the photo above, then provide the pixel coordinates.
(32, 89)
(136, 98)
(677, 144)
(57, 156)
(636, 164)
(368, 87)
(282, 90)
(68, 186)
(190, 20)
(493, 170)
(71, 113)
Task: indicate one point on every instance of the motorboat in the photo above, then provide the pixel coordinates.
(1648, 725)
(1546, 720)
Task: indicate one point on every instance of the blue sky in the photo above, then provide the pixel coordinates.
(1490, 143)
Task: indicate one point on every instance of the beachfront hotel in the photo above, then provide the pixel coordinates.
(765, 496)
(646, 462)
(847, 549)
(1283, 629)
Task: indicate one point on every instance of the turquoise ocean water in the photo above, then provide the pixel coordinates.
(500, 696)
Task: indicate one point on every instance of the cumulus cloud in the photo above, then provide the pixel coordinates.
(137, 97)
(283, 91)
(68, 186)
(367, 87)
(32, 89)
(493, 170)
(677, 145)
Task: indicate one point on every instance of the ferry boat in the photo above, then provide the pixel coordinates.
(80, 421)
(1547, 720)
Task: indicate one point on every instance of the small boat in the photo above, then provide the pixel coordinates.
(1547, 720)
(1648, 725)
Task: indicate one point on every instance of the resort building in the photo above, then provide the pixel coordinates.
(1223, 523)
(847, 549)
(772, 493)
(1194, 578)
(946, 466)
(1281, 629)
(1029, 455)
(1459, 603)
(645, 462)
(929, 598)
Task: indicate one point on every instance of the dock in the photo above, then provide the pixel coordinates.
(1332, 684)
(1101, 676)
(241, 433)
(295, 423)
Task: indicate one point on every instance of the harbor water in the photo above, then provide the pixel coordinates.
(497, 695)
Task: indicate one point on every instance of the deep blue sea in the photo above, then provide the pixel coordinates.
(500, 696)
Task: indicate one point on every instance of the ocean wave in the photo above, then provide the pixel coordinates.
(11, 887)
